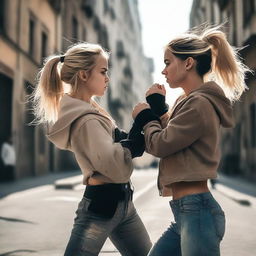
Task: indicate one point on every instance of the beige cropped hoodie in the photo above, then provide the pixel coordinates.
(88, 132)
(188, 144)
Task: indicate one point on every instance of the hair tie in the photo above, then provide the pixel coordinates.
(206, 40)
(62, 58)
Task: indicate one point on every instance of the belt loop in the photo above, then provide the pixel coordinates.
(180, 202)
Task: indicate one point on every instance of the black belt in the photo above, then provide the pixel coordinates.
(104, 198)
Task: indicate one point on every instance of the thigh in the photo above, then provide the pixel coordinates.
(198, 235)
(130, 236)
(168, 244)
(89, 232)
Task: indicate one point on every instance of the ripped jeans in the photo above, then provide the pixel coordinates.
(125, 229)
(198, 228)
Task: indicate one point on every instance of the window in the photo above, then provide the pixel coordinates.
(74, 28)
(223, 4)
(88, 7)
(120, 49)
(103, 37)
(106, 6)
(31, 36)
(44, 45)
(2, 3)
(248, 9)
(84, 34)
(253, 124)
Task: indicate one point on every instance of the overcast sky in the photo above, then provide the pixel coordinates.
(161, 21)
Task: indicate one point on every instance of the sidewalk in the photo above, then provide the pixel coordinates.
(241, 185)
(237, 189)
(10, 187)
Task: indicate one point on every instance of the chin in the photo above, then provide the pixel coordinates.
(173, 86)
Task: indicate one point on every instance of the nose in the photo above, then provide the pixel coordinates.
(107, 79)
(163, 72)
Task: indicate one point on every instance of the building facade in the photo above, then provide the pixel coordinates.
(239, 144)
(33, 29)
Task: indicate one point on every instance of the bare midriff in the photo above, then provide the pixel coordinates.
(93, 182)
(181, 189)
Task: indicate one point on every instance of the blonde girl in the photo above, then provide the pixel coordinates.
(63, 100)
(187, 138)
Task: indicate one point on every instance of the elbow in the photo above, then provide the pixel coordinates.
(154, 152)
(121, 173)
(158, 151)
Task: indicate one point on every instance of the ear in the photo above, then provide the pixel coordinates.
(189, 63)
(83, 75)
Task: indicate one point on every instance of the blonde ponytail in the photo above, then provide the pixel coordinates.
(227, 67)
(216, 58)
(48, 92)
(59, 71)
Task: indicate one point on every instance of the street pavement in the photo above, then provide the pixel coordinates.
(36, 214)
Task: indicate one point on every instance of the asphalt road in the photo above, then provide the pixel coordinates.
(38, 221)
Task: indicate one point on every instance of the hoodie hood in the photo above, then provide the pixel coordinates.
(219, 101)
(71, 109)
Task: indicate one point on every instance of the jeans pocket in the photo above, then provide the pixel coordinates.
(82, 209)
(104, 208)
(219, 222)
(83, 205)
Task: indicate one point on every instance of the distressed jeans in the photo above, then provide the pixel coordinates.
(198, 228)
(125, 229)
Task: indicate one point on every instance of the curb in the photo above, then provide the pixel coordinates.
(68, 183)
(238, 197)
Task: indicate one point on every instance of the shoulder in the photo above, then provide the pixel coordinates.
(199, 103)
(196, 107)
(93, 124)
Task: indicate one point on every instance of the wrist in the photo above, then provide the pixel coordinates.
(164, 116)
(157, 103)
(144, 117)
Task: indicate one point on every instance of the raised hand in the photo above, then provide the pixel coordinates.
(156, 88)
(155, 97)
(138, 108)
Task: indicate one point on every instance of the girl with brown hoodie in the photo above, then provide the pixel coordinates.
(187, 138)
(63, 100)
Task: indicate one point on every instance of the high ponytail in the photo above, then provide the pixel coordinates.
(227, 67)
(59, 71)
(48, 92)
(216, 59)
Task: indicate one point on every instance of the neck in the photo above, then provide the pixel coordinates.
(192, 84)
(81, 96)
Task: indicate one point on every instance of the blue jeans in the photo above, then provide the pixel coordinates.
(125, 229)
(198, 228)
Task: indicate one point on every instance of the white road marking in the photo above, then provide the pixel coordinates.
(28, 192)
(144, 190)
(63, 198)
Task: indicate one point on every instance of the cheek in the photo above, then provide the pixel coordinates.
(170, 72)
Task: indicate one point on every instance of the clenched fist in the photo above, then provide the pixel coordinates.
(156, 88)
(138, 108)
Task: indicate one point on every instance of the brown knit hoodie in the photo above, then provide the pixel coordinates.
(189, 144)
(88, 133)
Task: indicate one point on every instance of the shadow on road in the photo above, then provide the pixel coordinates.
(14, 253)
(16, 220)
(243, 202)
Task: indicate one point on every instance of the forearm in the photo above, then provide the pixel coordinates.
(164, 119)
